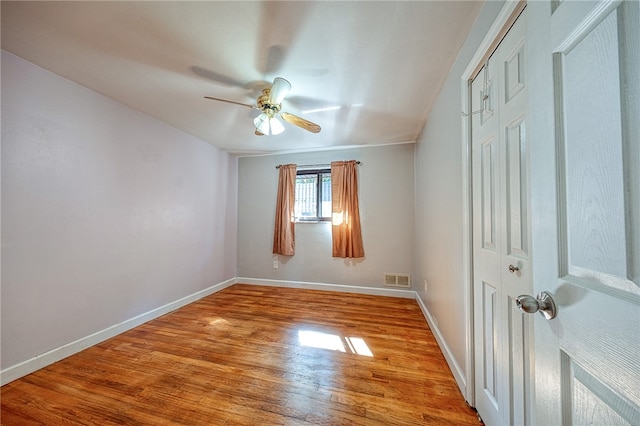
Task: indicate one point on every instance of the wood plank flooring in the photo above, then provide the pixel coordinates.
(254, 355)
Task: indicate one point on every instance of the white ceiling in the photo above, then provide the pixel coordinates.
(382, 63)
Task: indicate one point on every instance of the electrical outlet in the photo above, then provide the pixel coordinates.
(426, 288)
(275, 264)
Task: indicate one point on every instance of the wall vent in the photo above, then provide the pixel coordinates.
(397, 280)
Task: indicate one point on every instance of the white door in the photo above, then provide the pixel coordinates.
(584, 139)
(501, 243)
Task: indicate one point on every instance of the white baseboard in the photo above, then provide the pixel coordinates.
(377, 291)
(29, 366)
(458, 373)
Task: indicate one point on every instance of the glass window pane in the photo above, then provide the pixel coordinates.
(306, 196)
(326, 195)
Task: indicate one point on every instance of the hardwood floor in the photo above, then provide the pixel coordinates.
(251, 355)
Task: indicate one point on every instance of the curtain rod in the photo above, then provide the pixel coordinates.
(315, 165)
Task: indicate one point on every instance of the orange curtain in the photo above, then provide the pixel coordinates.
(285, 232)
(346, 234)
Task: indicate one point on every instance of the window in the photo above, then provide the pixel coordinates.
(313, 195)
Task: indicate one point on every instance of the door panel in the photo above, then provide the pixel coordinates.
(514, 81)
(585, 212)
(593, 172)
(587, 400)
(517, 231)
(594, 235)
(489, 200)
(490, 348)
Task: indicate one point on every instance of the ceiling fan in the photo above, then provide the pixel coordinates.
(270, 103)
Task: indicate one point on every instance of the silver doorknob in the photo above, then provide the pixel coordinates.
(543, 303)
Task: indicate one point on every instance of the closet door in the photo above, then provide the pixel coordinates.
(501, 242)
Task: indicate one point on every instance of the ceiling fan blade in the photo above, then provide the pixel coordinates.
(301, 122)
(258, 133)
(231, 102)
(216, 77)
(278, 90)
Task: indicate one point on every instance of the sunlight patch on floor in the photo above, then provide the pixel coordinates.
(358, 345)
(333, 342)
(217, 321)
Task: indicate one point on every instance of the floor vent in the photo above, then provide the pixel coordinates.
(397, 280)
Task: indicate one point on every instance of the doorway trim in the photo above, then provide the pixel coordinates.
(505, 19)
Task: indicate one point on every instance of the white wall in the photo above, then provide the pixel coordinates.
(106, 213)
(386, 212)
(439, 203)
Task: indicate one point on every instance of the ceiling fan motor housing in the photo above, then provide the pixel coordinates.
(265, 106)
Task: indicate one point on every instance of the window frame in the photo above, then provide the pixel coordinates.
(318, 173)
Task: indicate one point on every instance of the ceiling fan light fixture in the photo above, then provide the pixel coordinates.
(268, 125)
(279, 90)
(262, 123)
(276, 126)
